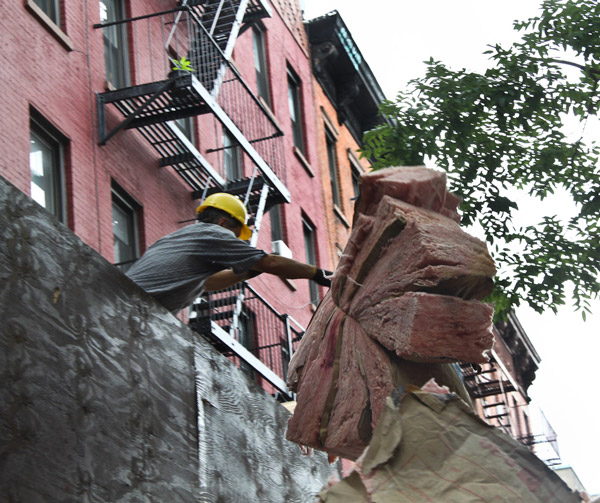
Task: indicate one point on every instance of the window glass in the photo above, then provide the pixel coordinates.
(186, 125)
(355, 184)
(125, 236)
(309, 245)
(232, 159)
(247, 337)
(260, 65)
(295, 110)
(51, 9)
(276, 223)
(45, 162)
(333, 170)
(115, 43)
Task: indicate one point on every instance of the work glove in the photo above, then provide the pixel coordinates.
(323, 277)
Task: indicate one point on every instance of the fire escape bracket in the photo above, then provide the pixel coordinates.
(157, 88)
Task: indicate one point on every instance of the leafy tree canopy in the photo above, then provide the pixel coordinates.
(503, 130)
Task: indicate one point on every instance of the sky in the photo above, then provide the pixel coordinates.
(395, 37)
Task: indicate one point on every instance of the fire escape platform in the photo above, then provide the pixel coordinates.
(151, 107)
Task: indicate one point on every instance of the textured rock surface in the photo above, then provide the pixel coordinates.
(107, 397)
(404, 301)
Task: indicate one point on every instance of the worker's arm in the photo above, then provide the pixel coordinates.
(223, 279)
(272, 264)
(291, 269)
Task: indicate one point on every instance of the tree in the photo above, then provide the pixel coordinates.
(502, 130)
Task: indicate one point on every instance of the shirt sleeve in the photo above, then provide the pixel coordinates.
(233, 253)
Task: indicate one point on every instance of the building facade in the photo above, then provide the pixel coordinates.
(347, 97)
(122, 148)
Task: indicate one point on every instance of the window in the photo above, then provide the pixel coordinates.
(186, 126)
(51, 8)
(46, 161)
(276, 223)
(125, 231)
(260, 64)
(294, 87)
(333, 169)
(355, 182)
(115, 43)
(232, 159)
(311, 258)
(357, 171)
(246, 335)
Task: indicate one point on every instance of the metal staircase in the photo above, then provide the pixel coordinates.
(487, 384)
(204, 32)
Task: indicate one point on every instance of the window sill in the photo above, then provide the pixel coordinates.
(305, 164)
(340, 215)
(54, 30)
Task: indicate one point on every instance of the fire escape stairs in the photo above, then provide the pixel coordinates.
(152, 108)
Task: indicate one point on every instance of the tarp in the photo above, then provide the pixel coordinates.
(430, 447)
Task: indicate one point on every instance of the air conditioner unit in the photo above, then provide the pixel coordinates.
(280, 248)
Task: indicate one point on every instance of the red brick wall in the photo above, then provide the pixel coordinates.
(339, 219)
(39, 71)
(303, 182)
(60, 80)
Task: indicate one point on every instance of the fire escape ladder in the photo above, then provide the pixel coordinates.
(228, 116)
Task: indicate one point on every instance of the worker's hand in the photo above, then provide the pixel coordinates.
(323, 277)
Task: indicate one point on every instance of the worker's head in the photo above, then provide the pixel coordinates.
(227, 211)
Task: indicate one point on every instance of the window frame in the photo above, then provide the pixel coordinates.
(310, 248)
(232, 151)
(57, 144)
(334, 172)
(188, 127)
(53, 12)
(247, 336)
(122, 65)
(294, 85)
(356, 170)
(261, 67)
(131, 208)
(276, 216)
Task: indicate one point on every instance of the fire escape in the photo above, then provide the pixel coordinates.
(231, 120)
(487, 384)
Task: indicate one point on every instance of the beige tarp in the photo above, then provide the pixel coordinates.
(432, 448)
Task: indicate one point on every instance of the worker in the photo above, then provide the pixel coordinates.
(208, 256)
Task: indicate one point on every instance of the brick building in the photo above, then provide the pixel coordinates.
(121, 150)
(347, 97)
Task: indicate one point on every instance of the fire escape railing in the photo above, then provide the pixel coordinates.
(214, 92)
(264, 341)
(227, 115)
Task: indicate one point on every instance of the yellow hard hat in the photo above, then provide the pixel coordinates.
(231, 205)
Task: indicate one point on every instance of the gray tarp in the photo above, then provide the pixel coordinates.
(106, 397)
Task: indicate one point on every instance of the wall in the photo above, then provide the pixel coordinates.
(61, 82)
(107, 397)
(338, 219)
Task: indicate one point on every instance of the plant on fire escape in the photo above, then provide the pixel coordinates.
(182, 64)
